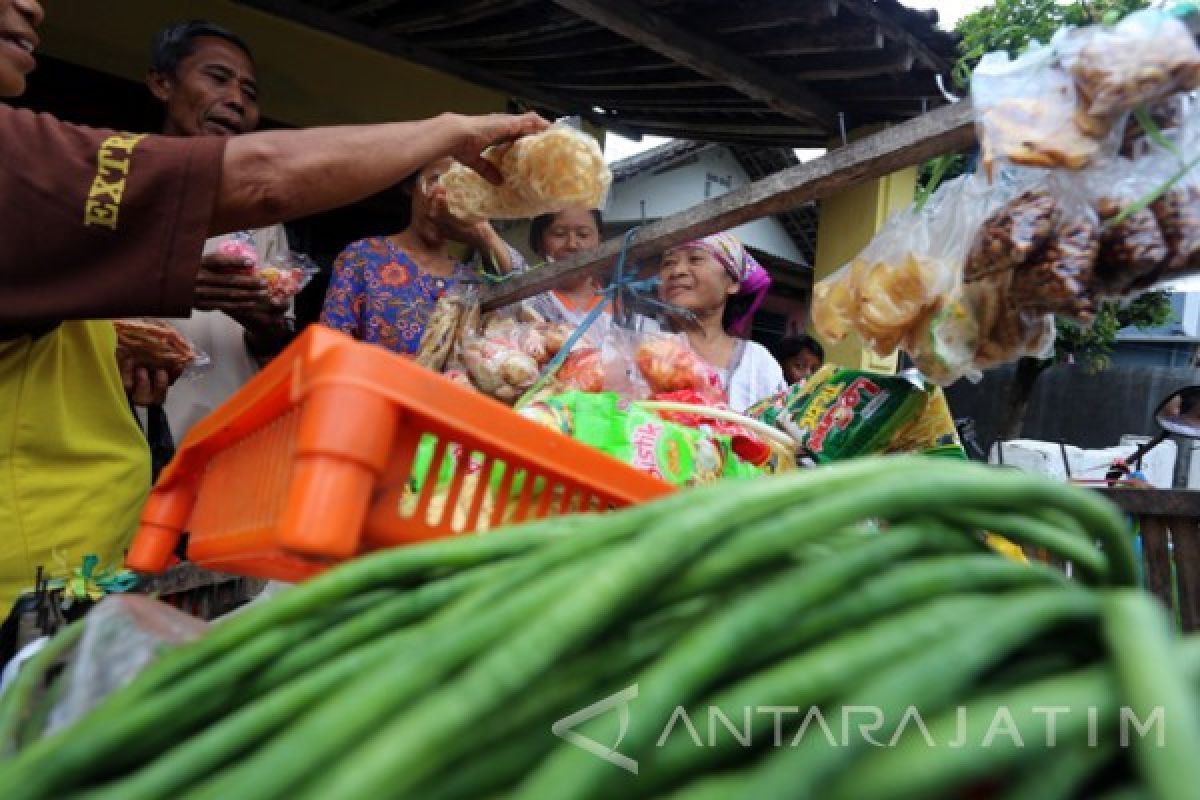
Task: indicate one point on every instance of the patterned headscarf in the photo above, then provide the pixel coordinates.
(752, 279)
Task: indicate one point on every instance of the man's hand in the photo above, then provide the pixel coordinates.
(226, 283)
(476, 134)
(144, 386)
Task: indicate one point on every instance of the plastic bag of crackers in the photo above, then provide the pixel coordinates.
(543, 173)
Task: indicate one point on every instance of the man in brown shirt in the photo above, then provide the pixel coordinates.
(105, 224)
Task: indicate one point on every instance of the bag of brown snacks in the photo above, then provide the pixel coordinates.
(1133, 250)
(1014, 233)
(1146, 57)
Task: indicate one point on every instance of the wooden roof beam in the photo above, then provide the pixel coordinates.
(705, 56)
(894, 30)
(806, 42)
(945, 130)
(385, 43)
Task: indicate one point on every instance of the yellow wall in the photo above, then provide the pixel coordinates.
(847, 223)
(307, 77)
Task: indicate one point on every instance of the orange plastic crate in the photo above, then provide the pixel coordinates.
(308, 464)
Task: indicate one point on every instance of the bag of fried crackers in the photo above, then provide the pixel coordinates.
(543, 173)
(156, 344)
(1028, 113)
(905, 275)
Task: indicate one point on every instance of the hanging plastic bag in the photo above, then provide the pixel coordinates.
(1016, 231)
(1146, 57)
(1027, 114)
(543, 173)
(905, 274)
(668, 364)
(1132, 250)
(156, 344)
(1177, 209)
(1005, 333)
(1058, 278)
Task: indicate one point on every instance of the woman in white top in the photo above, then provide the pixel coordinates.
(722, 285)
(557, 237)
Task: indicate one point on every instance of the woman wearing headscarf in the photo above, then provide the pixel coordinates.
(722, 285)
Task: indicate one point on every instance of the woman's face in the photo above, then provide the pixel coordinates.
(570, 232)
(427, 189)
(693, 279)
(18, 21)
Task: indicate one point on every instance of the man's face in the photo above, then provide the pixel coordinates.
(18, 19)
(213, 93)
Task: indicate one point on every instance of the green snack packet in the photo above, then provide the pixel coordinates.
(673, 453)
(841, 413)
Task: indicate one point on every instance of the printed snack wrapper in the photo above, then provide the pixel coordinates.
(543, 173)
(156, 344)
(678, 454)
(841, 413)
(1028, 113)
(1146, 57)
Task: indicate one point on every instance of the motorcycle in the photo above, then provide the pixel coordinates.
(1177, 415)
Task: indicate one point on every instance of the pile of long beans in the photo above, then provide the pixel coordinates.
(438, 671)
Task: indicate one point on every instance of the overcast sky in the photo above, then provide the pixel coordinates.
(950, 11)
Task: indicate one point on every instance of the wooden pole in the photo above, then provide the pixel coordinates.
(941, 131)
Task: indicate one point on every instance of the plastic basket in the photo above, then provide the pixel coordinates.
(311, 463)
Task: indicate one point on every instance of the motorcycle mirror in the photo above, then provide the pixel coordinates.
(1180, 413)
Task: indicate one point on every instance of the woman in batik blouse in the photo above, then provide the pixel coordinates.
(385, 287)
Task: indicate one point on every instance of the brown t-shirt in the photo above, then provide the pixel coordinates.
(97, 224)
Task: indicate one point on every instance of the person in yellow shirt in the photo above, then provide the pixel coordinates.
(63, 412)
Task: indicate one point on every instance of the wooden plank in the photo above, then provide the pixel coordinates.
(706, 56)
(894, 30)
(435, 16)
(806, 42)
(1156, 502)
(941, 131)
(385, 43)
(184, 578)
(1185, 540)
(768, 14)
(1157, 559)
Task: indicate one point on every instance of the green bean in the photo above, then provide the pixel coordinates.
(345, 718)
(807, 679)
(705, 654)
(908, 584)
(1141, 649)
(926, 682)
(102, 743)
(196, 758)
(397, 758)
(912, 770)
(402, 608)
(1061, 774)
(15, 703)
(1026, 529)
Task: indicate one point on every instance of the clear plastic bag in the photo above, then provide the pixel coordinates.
(285, 273)
(156, 344)
(506, 356)
(1178, 208)
(1146, 57)
(668, 364)
(1027, 114)
(454, 312)
(905, 274)
(543, 173)
(122, 635)
(1133, 250)
(1005, 333)
(1015, 232)
(1058, 279)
